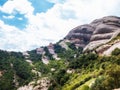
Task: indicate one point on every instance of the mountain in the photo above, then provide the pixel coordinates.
(88, 58)
(97, 33)
(93, 37)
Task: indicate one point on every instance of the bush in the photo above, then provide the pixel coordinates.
(6, 81)
(61, 77)
(41, 67)
(114, 72)
(34, 56)
(58, 48)
(83, 61)
(116, 52)
(98, 85)
(23, 69)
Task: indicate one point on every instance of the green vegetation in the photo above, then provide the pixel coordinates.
(58, 49)
(86, 71)
(34, 56)
(95, 66)
(6, 81)
(91, 72)
(41, 67)
(116, 52)
(48, 54)
(23, 71)
(14, 69)
(69, 54)
(116, 38)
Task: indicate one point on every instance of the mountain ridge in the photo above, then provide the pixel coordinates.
(91, 37)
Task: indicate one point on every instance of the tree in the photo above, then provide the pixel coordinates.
(48, 54)
(114, 72)
(61, 77)
(23, 69)
(58, 48)
(34, 56)
(41, 67)
(6, 81)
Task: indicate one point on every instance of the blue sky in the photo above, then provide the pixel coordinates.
(41, 5)
(19, 20)
(28, 24)
(2, 2)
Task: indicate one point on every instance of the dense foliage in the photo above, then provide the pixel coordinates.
(88, 68)
(34, 56)
(75, 71)
(116, 52)
(14, 70)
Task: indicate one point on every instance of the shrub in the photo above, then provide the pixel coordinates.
(116, 52)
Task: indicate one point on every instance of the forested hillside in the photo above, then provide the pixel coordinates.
(85, 72)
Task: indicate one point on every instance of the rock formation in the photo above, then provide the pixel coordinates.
(41, 84)
(91, 37)
(97, 33)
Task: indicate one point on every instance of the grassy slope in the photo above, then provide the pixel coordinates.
(78, 81)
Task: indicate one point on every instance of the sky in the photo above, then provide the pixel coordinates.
(29, 24)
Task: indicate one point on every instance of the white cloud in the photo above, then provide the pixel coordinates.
(18, 40)
(20, 18)
(52, 25)
(23, 6)
(9, 17)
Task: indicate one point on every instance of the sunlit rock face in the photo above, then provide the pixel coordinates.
(98, 32)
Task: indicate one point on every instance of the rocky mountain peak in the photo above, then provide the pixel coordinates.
(98, 32)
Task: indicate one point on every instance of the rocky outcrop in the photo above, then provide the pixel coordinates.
(40, 51)
(42, 84)
(80, 35)
(99, 32)
(113, 47)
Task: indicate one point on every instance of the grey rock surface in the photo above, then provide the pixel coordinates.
(98, 32)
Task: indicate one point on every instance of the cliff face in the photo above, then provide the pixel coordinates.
(80, 35)
(96, 33)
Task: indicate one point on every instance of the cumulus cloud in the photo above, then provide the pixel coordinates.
(23, 6)
(52, 25)
(18, 40)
